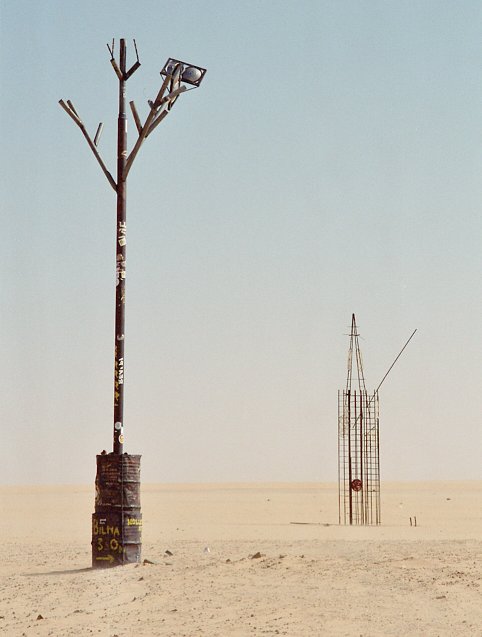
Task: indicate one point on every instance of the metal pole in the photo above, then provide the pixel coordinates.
(120, 293)
(117, 520)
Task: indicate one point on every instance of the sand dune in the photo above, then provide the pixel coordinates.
(313, 577)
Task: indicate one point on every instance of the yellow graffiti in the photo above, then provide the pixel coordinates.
(134, 522)
(113, 545)
(100, 529)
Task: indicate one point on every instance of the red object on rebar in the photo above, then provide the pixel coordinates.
(356, 484)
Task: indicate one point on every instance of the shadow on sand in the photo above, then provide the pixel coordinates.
(72, 571)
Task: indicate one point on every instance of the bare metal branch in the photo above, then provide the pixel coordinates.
(162, 90)
(172, 95)
(72, 107)
(98, 134)
(170, 100)
(145, 128)
(71, 113)
(156, 122)
(153, 119)
(117, 70)
(110, 179)
(138, 143)
(132, 70)
(80, 124)
(135, 115)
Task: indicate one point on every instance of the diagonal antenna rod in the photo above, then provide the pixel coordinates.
(392, 365)
(389, 370)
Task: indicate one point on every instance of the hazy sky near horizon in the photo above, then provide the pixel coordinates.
(330, 163)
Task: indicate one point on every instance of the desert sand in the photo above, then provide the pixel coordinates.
(314, 577)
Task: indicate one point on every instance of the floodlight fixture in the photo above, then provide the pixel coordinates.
(188, 73)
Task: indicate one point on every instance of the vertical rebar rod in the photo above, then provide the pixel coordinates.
(344, 458)
(362, 459)
(369, 456)
(350, 498)
(368, 471)
(379, 502)
(119, 343)
(339, 456)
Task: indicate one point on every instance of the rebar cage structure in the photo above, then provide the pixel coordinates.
(358, 446)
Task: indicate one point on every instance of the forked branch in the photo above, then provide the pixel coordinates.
(70, 110)
(155, 117)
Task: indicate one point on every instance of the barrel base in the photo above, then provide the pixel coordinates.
(116, 538)
(117, 520)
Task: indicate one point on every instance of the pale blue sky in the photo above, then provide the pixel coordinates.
(330, 163)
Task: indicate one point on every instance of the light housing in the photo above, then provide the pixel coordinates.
(190, 73)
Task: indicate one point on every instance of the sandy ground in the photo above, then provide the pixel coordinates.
(316, 578)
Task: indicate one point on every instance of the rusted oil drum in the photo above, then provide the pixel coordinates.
(117, 521)
(117, 483)
(116, 538)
